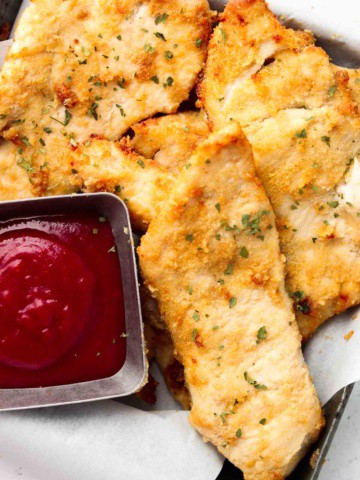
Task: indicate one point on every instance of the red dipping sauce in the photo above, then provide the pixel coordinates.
(62, 317)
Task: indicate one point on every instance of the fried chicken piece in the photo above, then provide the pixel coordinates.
(301, 119)
(211, 259)
(84, 68)
(143, 182)
(170, 140)
(161, 348)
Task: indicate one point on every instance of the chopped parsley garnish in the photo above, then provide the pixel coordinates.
(261, 334)
(161, 18)
(332, 90)
(2, 116)
(168, 55)
(68, 117)
(333, 204)
(199, 42)
(238, 433)
(122, 111)
(326, 139)
(232, 302)
(149, 48)
(244, 252)
(24, 164)
(121, 83)
(194, 334)
(253, 225)
(169, 82)
(196, 316)
(189, 289)
(93, 111)
(155, 79)
(254, 383)
(301, 134)
(141, 163)
(119, 37)
(229, 269)
(189, 237)
(223, 35)
(74, 171)
(301, 304)
(25, 140)
(160, 35)
(263, 421)
(42, 142)
(218, 207)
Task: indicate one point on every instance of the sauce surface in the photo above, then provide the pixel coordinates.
(62, 316)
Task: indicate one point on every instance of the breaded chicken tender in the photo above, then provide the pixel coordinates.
(211, 259)
(80, 69)
(171, 139)
(140, 170)
(302, 120)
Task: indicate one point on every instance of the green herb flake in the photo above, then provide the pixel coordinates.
(218, 207)
(333, 204)
(194, 334)
(244, 252)
(232, 302)
(229, 269)
(92, 112)
(119, 37)
(261, 334)
(199, 42)
(168, 55)
(141, 163)
(254, 383)
(25, 165)
(41, 141)
(196, 316)
(301, 134)
(74, 171)
(332, 90)
(155, 79)
(238, 433)
(189, 289)
(327, 140)
(160, 35)
(121, 83)
(189, 237)
(122, 111)
(161, 18)
(263, 421)
(149, 48)
(223, 35)
(25, 140)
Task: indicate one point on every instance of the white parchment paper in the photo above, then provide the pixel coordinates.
(109, 440)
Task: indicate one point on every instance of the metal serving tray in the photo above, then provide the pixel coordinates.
(334, 408)
(133, 373)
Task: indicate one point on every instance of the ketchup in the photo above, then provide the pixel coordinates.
(62, 316)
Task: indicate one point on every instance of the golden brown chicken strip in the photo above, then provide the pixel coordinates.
(144, 182)
(85, 68)
(300, 116)
(212, 260)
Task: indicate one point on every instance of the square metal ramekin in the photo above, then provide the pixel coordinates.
(133, 373)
